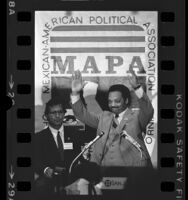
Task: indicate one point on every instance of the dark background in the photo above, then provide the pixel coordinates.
(175, 53)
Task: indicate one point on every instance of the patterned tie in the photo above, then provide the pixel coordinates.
(60, 146)
(116, 122)
(116, 118)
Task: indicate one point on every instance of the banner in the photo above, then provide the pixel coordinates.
(104, 46)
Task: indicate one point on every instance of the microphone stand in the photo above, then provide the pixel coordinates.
(70, 168)
(85, 148)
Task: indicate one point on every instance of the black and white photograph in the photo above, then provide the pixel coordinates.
(95, 100)
(96, 111)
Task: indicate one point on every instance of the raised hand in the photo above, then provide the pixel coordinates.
(77, 83)
(133, 80)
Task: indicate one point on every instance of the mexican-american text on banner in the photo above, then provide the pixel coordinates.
(104, 46)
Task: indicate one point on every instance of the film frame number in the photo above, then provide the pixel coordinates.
(11, 190)
(11, 5)
(11, 185)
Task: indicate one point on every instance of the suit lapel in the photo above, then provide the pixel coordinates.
(106, 126)
(51, 140)
(124, 120)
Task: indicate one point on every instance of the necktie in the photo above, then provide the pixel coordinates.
(116, 118)
(116, 122)
(60, 146)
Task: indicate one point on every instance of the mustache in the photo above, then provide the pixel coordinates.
(114, 107)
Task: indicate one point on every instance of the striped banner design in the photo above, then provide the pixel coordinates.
(99, 50)
(99, 28)
(97, 39)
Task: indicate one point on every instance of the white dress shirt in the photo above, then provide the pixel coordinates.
(54, 134)
(120, 117)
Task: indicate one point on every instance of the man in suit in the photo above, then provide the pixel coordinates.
(122, 143)
(49, 159)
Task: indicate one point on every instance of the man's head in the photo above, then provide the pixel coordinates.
(118, 98)
(55, 112)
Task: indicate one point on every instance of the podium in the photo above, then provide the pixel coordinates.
(115, 180)
(130, 182)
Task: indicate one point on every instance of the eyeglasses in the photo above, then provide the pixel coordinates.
(56, 112)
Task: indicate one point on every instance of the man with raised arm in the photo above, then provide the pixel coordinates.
(122, 143)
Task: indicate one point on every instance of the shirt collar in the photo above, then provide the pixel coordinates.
(54, 131)
(122, 113)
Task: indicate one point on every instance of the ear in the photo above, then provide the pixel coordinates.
(44, 117)
(127, 101)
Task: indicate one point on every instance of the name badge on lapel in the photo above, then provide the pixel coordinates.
(68, 146)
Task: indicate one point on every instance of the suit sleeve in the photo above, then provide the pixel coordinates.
(39, 164)
(94, 157)
(146, 110)
(81, 113)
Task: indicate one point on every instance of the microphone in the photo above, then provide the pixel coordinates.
(131, 140)
(93, 141)
(85, 148)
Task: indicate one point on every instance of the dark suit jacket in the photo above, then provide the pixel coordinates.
(46, 152)
(134, 122)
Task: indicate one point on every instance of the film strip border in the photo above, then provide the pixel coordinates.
(21, 116)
